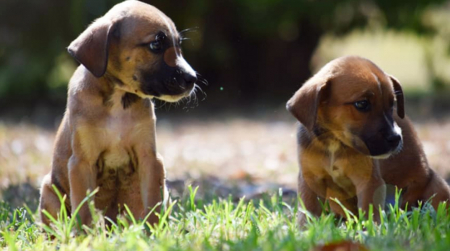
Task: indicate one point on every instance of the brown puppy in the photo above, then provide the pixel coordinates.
(107, 136)
(352, 143)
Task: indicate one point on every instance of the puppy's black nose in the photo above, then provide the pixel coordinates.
(393, 139)
(188, 78)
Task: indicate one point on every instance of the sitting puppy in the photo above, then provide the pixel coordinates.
(352, 143)
(106, 139)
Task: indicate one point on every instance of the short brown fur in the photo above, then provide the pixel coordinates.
(343, 152)
(106, 139)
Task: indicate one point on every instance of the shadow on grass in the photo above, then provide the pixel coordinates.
(209, 188)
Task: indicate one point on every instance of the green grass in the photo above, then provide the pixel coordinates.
(221, 224)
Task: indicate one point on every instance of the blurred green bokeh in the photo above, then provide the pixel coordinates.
(248, 50)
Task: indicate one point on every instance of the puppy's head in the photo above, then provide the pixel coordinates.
(138, 47)
(352, 99)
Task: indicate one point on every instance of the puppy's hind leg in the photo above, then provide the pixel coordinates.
(49, 201)
(438, 189)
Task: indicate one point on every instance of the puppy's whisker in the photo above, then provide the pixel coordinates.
(197, 87)
(170, 106)
(195, 95)
(182, 33)
(189, 30)
(196, 100)
(201, 79)
(161, 103)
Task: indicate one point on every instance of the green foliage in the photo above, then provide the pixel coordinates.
(17, 228)
(266, 224)
(240, 43)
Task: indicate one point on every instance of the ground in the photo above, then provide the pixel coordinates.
(227, 157)
(235, 154)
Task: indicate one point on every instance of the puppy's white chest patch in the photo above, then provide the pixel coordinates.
(336, 171)
(116, 157)
(333, 147)
(335, 168)
(120, 141)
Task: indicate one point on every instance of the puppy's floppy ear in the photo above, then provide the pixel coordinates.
(91, 47)
(303, 105)
(399, 96)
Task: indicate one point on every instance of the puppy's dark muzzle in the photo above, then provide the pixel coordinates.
(184, 83)
(394, 140)
(188, 79)
(168, 81)
(385, 142)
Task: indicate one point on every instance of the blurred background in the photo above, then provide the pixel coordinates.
(237, 137)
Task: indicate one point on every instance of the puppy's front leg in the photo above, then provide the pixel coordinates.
(82, 180)
(369, 184)
(152, 181)
(373, 192)
(310, 199)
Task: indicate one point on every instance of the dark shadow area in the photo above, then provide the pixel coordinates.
(209, 188)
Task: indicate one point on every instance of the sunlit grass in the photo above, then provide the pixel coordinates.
(206, 219)
(220, 224)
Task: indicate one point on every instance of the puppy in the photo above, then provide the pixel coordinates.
(353, 144)
(106, 139)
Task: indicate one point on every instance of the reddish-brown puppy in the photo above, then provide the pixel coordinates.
(353, 143)
(106, 139)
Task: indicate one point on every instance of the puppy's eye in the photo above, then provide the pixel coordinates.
(156, 46)
(362, 105)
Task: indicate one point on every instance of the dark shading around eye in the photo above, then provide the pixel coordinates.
(362, 105)
(158, 45)
(155, 46)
